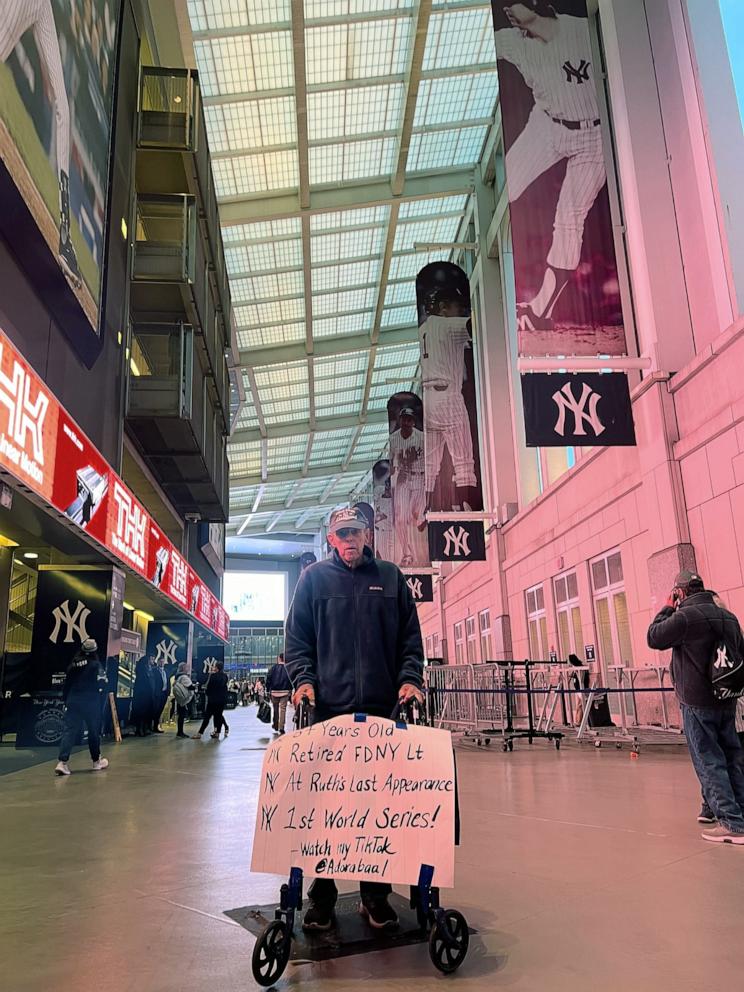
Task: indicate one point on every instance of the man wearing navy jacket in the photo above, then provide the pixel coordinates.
(353, 645)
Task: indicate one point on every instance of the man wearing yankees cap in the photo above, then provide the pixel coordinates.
(692, 623)
(352, 645)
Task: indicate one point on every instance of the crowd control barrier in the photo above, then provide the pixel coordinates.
(510, 700)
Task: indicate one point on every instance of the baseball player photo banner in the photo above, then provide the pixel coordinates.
(369, 514)
(57, 66)
(453, 473)
(421, 585)
(567, 287)
(407, 480)
(457, 540)
(382, 498)
(577, 409)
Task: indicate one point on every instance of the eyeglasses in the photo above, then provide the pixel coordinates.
(346, 532)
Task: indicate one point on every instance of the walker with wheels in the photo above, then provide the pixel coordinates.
(446, 930)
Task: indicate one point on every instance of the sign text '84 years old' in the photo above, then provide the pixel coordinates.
(358, 799)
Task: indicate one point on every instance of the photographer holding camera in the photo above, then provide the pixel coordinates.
(692, 624)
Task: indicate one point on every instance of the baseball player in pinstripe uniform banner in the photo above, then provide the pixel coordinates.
(450, 417)
(551, 52)
(409, 498)
(57, 61)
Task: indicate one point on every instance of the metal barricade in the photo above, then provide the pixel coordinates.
(491, 712)
(450, 698)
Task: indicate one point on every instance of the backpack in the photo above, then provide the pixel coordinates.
(181, 692)
(726, 668)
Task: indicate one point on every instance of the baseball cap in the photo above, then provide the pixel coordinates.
(89, 645)
(347, 516)
(687, 578)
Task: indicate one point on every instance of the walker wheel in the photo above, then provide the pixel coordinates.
(271, 953)
(448, 941)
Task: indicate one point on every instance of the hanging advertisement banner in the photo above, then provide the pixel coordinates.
(567, 287)
(46, 451)
(128, 526)
(57, 66)
(407, 479)
(421, 585)
(28, 423)
(382, 496)
(453, 475)
(577, 409)
(457, 540)
(82, 479)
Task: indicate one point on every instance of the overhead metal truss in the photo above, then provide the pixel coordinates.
(342, 142)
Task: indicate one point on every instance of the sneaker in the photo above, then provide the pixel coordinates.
(182, 735)
(317, 918)
(99, 765)
(69, 263)
(196, 737)
(706, 815)
(62, 768)
(227, 731)
(722, 835)
(379, 914)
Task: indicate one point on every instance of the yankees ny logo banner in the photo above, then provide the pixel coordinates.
(567, 286)
(457, 540)
(407, 473)
(578, 410)
(452, 473)
(421, 586)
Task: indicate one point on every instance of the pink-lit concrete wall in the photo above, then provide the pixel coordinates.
(677, 498)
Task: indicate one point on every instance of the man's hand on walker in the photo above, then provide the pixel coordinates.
(305, 691)
(409, 693)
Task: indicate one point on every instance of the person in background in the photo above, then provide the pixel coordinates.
(258, 691)
(216, 691)
(141, 715)
(160, 694)
(85, 685)
(691, 624)
(353, 645)
(183, 693)
(279, 685)
(156, 685)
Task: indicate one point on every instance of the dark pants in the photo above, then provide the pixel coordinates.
(323, 892)
(718, 760)
(214, 710)
(183, 712)
(85, 710)
(160, 701)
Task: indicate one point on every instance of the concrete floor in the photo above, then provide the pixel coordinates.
(580, 869)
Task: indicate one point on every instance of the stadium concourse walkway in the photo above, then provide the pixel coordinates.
(579, 869)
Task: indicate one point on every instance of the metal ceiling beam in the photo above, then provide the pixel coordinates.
(311, 503)
(347, 197)
(248, 150)
(413, 80)
(342, 344)
(298, 428)
(385, 14)
(316, 472)
(248, 96)
(273, 522)
(256, 402)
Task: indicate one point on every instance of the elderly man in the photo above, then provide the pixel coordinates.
(352, 645)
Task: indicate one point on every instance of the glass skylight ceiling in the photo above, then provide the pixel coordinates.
(307, 296)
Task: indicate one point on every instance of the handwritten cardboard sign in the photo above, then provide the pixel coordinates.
(362, 800)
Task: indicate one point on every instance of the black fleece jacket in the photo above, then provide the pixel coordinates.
(691, 631)
(354, 635)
